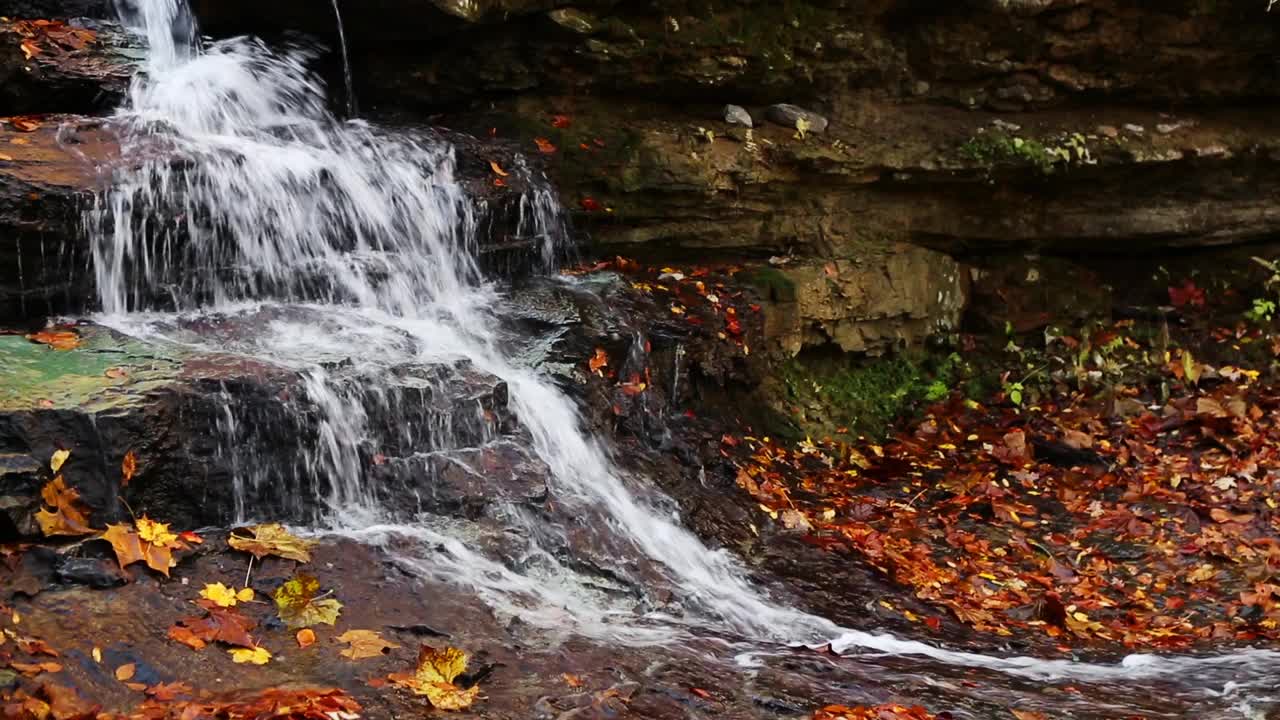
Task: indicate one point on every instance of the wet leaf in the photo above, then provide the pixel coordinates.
(223, 596)
(27, 124)
(224, 625)
(126, 672)
(128, 466)
(544, 146)
(497, 169)
(561, 121)
(56, 339)
(150, 542)
(300, 605)
(434, 676)
(598, 362)
(68, 515)
(272, 539)
(306, 637)
(59, 457)
(365, 644)
(256, 656)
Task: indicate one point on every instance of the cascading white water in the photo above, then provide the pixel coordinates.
(371, 240)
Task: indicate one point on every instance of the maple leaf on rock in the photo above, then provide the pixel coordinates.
(257, 655)
(365, 644)
(223, 596)
(151, 542)
(300, 604)
(272, 539)
(224, 625)
(434, 676)
(69, 516)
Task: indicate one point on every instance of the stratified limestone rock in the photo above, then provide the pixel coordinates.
(875, 301)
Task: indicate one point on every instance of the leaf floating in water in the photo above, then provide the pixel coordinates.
(497, 169)
(272, 539)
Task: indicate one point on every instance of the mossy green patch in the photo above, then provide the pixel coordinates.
(105, 372)
(826, 393)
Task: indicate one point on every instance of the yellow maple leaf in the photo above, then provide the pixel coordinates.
(434, 676)
(59, 457)
(257, 656)
(221, 595)
(155, 533)
(300, 606)
(272, 539)
(244, 594)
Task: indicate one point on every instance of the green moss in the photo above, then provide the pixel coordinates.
(989, 149)
(866, 396)
(771, 283)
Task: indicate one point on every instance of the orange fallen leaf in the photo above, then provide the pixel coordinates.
(561, 121)
(126, 671)
(128, 466)
(306, 637)
(56, 339)
(599, 361)
(68, 516)
(24, 124)
(544, 146)
(497, 169)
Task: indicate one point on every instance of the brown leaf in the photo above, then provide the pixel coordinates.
(33, 669)
(306, 637)
(365, 644)
(544, 146)
(128, 466)
(1224, 516)
(272, 539)
(224, 625)
(126, 672)
(68, 516)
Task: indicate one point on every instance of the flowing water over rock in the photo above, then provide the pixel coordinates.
(349, 255)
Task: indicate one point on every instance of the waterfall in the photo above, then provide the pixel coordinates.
(352, 108)
(355, 250)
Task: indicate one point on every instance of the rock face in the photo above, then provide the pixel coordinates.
(969, 127)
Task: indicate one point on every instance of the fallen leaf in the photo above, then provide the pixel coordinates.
(33, 669)
(24, 124)
(224, 625)
(365, 644)
(56, 339)
(257, 656)
(69, 516)
(126, 672)
(272, 539)
(306, 637)
(128, 466)
(151, 542)
(434, 676)
(544, 146)
(497, 169)
(300, 606)
(561, 121)
(223, 596)
(59, 457)
(598, 361)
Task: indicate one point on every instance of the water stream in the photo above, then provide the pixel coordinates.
(349, 253)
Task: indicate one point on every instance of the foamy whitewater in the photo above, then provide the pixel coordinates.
(369, 240)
